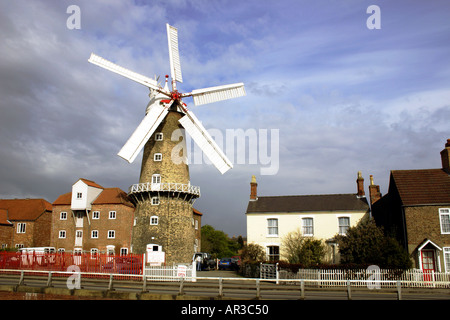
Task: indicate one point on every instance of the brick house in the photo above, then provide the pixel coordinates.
(271, 218)
(92, 219)
(25, 223)
(416, 210)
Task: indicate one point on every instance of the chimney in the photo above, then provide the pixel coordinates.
(253, 189)
(374, 191)
(445, 157)
(360, 185)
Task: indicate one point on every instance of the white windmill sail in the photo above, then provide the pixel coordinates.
(214, 94)
(148, 82)
(143, 132)
(206, 143)
(174, 54)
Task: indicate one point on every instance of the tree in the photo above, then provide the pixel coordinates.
(253, 252)
(366, 243)
(217, 243)
(303, 250)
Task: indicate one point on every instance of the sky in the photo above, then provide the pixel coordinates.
(327, 94)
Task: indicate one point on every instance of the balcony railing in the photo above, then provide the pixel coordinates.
(164, 187)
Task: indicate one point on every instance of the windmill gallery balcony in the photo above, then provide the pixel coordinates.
(139, 190)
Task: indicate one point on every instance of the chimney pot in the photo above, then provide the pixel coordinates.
(374, 191)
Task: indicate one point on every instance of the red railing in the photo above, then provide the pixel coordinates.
(61, 261)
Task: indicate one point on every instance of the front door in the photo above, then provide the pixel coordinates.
(428, 264)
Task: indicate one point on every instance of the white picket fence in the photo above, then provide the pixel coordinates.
(175, 272)
(375, 277)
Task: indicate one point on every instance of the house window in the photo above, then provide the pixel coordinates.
(123, 251)
(21, 227)
(307, 226)
(112, 214)
(444, 217)
(154, 220)
(157, 157)
(272, 227)
(344, 224)
(273, 253)
(156, 178)
(62, 234)
(79, 195)
(446, 258)
(159, 136)
(155, 201)
(94, 253)
(94, 234)
(111, 234)
(96, 215)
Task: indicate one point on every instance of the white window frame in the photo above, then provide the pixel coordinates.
(21, 227)
(62, 234)
(156, 178)
(112, 214)
(95, 215)
(94, 234)
(154, 220)
(446, 253)
(444, 212)
(159, 136)
(111, 234)
(304, 227)
(63, 215)
(94, 253)
(272, 228)
(157, 157)
(155, 201)
(339, 225)
(123, 251)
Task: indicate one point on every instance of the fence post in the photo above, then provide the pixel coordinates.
(49, 280)
(180, 293)
(399, 290)
(302, 289)
(349, 290)
(220, 287)
(144, 281)
(276, 272)
(21, 278)
(110, 285)
(258, 289)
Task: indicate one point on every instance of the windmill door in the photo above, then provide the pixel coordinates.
(428, 266)
(79, 238)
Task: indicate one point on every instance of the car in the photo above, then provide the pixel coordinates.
(123, 265)
(225, 263)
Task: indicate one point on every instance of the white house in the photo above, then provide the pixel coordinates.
(270, 219)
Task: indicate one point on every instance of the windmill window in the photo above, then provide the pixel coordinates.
(79, 195)
(96, 215)
(112, 214)
(111, 234)
(155, 201)
(63, 216)
(157, 157)
(156, 178)
(154, 220)
(159, 136)
(62, 234)
(21, 227)
(94, 234)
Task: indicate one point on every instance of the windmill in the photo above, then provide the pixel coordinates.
(164, 100)
(164, 196)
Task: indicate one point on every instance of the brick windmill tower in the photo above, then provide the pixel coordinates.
(164, 195)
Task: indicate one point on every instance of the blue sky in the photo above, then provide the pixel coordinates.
(344, 98)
